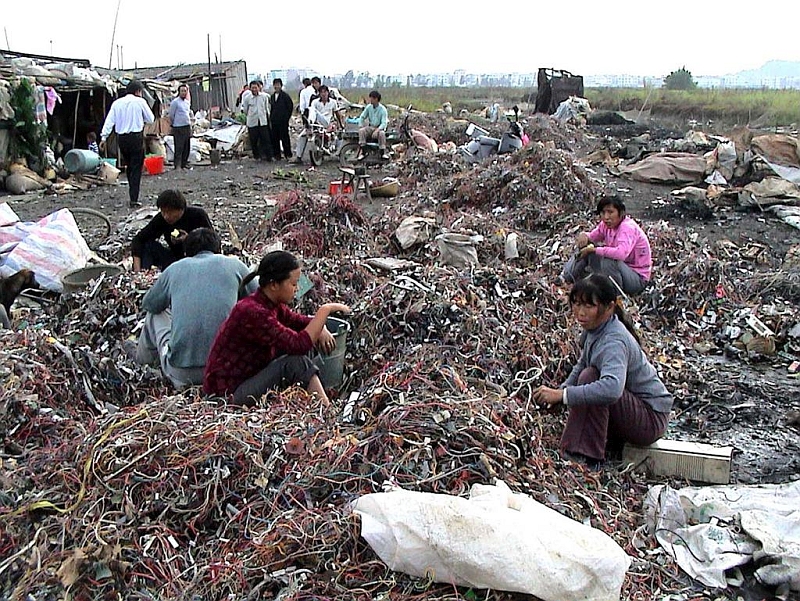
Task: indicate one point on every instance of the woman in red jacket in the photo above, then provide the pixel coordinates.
(263, 344)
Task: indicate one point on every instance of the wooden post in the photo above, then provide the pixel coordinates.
(75, 125)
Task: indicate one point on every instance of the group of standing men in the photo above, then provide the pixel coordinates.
(267, 118)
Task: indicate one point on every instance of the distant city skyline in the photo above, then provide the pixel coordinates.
(762, 77)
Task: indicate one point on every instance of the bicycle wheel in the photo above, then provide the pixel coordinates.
(315, 152)
(348, 154)
(93, 225)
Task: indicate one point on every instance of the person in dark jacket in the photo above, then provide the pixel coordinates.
(281, 106)
(174, 221)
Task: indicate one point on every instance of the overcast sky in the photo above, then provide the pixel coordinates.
(709, 37)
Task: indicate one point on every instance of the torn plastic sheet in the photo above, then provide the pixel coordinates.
(709, 530)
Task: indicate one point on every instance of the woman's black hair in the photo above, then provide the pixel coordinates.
(613, 200)
(276, 266)
(598, 289)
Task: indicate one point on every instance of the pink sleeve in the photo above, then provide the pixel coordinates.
(626, 239)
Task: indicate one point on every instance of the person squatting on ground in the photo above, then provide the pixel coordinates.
(373, 119)
(264, 345)
(613, 393)
(174, 221)
(187, 305)
(180, 118)
(127, 117)
(256, 110)
(617, 247)
(281, 107)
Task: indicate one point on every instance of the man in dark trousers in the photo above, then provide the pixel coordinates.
(174, 221)
(281, 106)
(256, 109)
(180, 118)
(127, 117)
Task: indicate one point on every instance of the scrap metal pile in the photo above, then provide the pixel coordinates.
(112, 486)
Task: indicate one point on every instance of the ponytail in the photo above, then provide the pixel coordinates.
(626, 320)
(276, 266)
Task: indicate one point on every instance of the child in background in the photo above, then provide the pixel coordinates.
(91, 142)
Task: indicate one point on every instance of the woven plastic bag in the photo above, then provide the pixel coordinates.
(52, 247)
(496, 539)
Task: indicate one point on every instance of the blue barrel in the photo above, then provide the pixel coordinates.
(78, 160)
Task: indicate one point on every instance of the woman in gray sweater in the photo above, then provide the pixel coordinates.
(613, 393)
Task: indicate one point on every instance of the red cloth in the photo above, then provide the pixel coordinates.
(256, 332)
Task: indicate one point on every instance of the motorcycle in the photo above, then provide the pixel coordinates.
(482, 145)
(322, 143)
(414, 141)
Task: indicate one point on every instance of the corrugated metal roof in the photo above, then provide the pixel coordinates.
(184, 71)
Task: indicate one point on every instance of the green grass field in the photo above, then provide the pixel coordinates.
(778, 108)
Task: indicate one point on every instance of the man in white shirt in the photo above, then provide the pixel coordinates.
(180, 118)
(323, 111)
(305, 96)
(127, 116)
(256, 108)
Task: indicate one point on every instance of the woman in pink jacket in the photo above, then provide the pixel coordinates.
(617, 247)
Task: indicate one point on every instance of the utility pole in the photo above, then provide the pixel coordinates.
(208, 97)
(8, 46)
(113, 34)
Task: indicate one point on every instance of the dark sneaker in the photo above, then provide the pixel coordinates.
(135, 205)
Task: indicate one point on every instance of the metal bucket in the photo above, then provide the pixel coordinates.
(331, 367)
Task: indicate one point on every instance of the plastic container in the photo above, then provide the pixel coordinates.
(112, 162)
(79, 160)
(475, 132)
(154, 164)
(488, 146)
(331, 367)
(509, 143)
(335, 188)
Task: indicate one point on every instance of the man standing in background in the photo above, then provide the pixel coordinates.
(127, 117)
(180, 118)
(256, 108)
(281, 106)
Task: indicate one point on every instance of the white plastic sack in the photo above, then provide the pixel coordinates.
(496, 539)
(51, 247)
(711, 529)
(414, 230)
(458, 250)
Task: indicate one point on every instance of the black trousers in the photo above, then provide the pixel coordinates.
(132, 148)
(182, 136)
(281, 139)
(260, 141)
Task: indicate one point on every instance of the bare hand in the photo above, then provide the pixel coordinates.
(582, 240)
(337, 308)
(326, 342)
(102, 146)
(587, 250)
(180, 237)
(547, 396)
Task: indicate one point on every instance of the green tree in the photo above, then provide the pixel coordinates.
(28, 136)
(680, 80)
